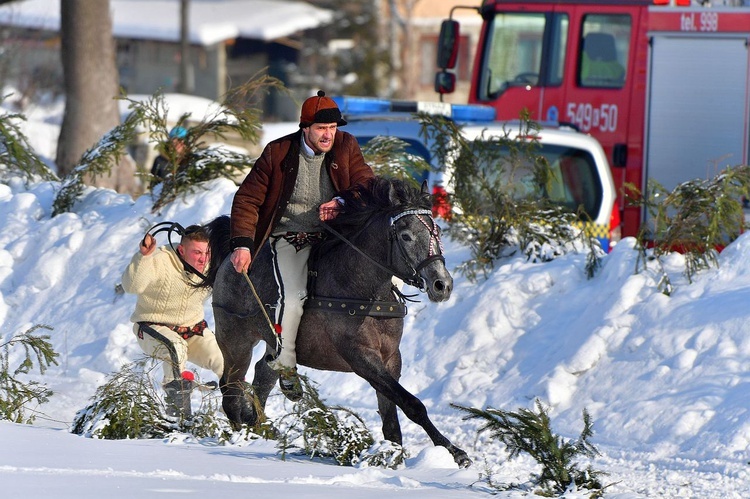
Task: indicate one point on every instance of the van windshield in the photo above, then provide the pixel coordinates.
(515, 53)
(574, 182)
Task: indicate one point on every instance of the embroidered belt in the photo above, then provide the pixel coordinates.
(302, 239)
(185, 331)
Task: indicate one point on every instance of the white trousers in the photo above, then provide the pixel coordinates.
(290, 270)
(202, 351)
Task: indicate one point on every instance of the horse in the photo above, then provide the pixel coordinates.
(384, 229)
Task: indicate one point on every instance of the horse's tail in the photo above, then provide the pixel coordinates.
(218, 242)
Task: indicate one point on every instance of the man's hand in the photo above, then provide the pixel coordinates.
(329, 210)
(241, 259)
(148, 245)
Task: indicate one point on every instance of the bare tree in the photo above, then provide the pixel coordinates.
(186, 68)
(91, 85)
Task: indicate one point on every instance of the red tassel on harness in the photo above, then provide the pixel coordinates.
(188, 375)
(277, 328)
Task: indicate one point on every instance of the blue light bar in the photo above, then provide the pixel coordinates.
(473, 112)
(361, 105)
(369, 105)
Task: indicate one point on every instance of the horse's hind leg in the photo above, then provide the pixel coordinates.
(389, 416)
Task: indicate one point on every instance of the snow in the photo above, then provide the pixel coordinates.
(160, 19)
(665, 379)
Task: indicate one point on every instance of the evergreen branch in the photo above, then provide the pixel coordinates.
(17, 157)
(388, 157)
(95, 162)
(15, 395)
(697, 218)
(529, 432)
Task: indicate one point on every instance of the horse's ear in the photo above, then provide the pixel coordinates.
(393, 195)
(425, 190)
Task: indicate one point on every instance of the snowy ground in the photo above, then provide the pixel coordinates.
(665, 379)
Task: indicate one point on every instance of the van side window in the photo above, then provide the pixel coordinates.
(603, 50)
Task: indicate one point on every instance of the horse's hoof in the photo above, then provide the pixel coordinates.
(461, 458)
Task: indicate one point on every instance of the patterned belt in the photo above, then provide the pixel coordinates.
(302, 239)
(185, 331)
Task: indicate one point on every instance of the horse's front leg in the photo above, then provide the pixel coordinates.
(368, 364)
(387, 409)
(237, 350)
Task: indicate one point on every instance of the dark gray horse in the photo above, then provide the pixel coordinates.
(385, 229)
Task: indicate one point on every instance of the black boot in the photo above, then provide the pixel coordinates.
(290, 384)
(289, 381)
(177, 398)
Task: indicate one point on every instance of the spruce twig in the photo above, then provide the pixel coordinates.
(526, 431)
(16, 395)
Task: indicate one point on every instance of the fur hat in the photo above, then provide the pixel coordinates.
(320, 109)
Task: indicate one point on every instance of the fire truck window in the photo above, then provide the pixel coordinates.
(558, 47)
(605, 42)
(513, 55)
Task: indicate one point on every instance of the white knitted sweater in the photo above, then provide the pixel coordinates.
(162, 284)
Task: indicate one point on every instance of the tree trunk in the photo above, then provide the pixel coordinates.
(91, 84)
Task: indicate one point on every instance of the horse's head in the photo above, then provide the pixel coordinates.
(416, 248)
(413, 251)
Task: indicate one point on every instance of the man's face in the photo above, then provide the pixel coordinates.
(179, 146)
(195, 253)
(319, 136)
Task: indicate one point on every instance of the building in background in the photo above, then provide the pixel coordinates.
(230, 41)
(413, 26)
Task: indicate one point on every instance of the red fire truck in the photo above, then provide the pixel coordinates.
(663, 87)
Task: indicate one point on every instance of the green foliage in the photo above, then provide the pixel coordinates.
(318, 430)
(529, 432)
(499, 186)
(697, 218)
(385, 454)
(388, 157)
(17, 157)
(236, 116)
(128, 405)
(125, 406)
(16, 395)
(95, 162)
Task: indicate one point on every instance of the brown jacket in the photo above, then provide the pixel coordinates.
(262, 198)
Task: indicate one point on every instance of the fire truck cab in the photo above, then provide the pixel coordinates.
(664, 88)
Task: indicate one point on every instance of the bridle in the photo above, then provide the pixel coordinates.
(435, 245)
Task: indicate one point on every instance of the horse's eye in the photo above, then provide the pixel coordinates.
(406, 237)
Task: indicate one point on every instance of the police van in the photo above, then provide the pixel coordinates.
(581, 172)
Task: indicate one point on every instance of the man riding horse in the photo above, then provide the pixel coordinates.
(290, 188)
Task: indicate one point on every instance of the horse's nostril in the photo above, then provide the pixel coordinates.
(439, 286)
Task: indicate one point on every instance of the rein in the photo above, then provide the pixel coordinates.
(374, 308)
(413, 279)
(170, 227)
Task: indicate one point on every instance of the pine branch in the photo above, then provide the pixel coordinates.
(16, 395)
(17, 157)
(530, 432)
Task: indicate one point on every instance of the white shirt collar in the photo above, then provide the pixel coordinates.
(308, 149)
